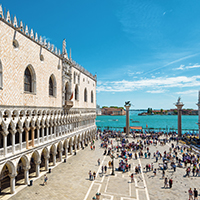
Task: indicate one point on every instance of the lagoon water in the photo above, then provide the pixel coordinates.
(163, 122)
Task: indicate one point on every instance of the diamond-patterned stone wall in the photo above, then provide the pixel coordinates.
(14, 62)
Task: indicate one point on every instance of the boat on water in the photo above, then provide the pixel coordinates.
(135, 121)
(114, 119)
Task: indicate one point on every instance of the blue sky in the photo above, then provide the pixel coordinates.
(145, 51)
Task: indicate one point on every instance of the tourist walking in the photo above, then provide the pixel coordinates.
(102, 169)
(170, 183)
(94, 175)
(105, 168)
(45, 179)
(132, 178)
(154, 172)
(98, 161)
(190, 194)
(195, 193)
(165, 182)
(90, 175)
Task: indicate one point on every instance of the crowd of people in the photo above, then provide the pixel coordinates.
(178, 155)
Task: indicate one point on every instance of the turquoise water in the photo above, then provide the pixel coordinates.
(162, 122)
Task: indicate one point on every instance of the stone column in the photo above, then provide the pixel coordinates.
(66, 152)
(51, 132)
(198, 104)
(26, 132)
(54, 159)
(127, 119)
(13, 141)
(70, 149)
(46, 163)
(43, 134)
(47, 128)
(75, 147)
(32, 136)
(38, 135)
(179, 106)
(37, 168)
(5, 143)
(26, 175)
(60, 154)
(54, 131)
(12, 183)
(20, 139)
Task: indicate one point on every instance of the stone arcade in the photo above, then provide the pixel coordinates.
(48, 104)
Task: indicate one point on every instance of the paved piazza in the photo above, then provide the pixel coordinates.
(70, 180)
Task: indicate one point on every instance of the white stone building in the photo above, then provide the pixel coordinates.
(47, 103)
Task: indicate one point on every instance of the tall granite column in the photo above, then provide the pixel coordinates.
(179, 106)
(127, 106)
(198, 104)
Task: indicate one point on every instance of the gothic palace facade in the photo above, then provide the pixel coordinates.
(47, 104)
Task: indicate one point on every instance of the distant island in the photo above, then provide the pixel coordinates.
(188, 111)
(115, 110)
(112, 110)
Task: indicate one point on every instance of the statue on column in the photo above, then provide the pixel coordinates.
(64, 50)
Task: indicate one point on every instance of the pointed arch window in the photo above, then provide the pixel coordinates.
(29, 79)
(66, 91)
(85, 95)
(1, 75)
(92, 97)
(74, 78)
(52, 86)
(76, 93)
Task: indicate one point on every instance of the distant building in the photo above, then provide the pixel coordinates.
(113, 111)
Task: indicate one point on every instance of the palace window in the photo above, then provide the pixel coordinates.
(92, 98)
(74, 78)
(76, 93)
(52, 86)
(85, 95)
(66, 92)
(29, 80)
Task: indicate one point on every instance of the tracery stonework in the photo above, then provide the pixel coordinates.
(38, 123)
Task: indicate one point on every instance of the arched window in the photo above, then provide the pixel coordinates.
(85, 95)
(76, 93)
(29, 79)
(79, 79)
(52, 86)
(1, 75)
(92, 98)
(66, 92)
(74, 78)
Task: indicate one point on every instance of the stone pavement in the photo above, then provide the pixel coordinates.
(70, 180)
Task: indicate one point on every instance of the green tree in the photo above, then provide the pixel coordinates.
(149, 110)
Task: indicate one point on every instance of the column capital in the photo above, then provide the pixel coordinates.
(12, 175)
(46, 157)
(4, 133)
(33, 128)
(26, 168)
(13, 131)
(38, 162)
(26, 129)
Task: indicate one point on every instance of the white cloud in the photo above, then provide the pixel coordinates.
(187, 92)
(183, 67)
(159, 83)
(156, 91)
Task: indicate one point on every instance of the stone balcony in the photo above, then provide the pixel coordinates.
(68, 104)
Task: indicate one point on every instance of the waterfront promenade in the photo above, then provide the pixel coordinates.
(70, 180)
